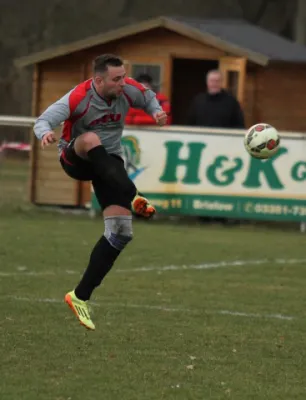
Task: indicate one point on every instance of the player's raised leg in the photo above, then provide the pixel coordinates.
(88, 146)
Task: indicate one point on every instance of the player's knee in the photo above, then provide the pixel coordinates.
(118, 230)
(89, 140)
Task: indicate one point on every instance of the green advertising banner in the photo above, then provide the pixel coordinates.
(209, 173)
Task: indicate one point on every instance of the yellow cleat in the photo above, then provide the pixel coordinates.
(141, 206)
(80, 309)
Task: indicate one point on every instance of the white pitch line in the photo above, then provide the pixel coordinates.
(204, 266)
(159, 308)
(26, 273)
(221, 264)
(251, 315)
(92, 303)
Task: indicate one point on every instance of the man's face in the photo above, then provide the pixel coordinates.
(110, 84)
(214, 82)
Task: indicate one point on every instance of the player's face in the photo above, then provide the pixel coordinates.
(214, 82)
(112, 82)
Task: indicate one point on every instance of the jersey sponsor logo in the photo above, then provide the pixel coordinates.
(107, 118)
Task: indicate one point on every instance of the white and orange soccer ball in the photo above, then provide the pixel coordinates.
(262, 141)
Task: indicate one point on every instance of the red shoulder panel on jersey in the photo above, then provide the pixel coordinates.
(78, 94)
(132, 82)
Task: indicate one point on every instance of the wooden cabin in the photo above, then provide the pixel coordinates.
(266, 72)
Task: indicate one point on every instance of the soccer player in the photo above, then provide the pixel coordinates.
(90, 149)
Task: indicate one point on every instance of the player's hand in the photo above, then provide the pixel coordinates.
(160, 118)
(48, 139)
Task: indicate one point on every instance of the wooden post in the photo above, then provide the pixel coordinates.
(299, 23)
(34, 142)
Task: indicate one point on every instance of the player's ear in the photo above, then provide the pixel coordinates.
(98, 79)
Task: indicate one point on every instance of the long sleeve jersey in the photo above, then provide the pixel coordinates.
(83, 110)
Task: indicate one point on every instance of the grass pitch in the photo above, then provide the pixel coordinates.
(188, 312)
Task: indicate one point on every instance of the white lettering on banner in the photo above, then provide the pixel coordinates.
(164, 204)
(214, 205)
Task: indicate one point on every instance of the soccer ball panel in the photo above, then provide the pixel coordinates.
(262, 141)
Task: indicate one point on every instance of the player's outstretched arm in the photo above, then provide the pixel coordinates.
(52, 117)
(152, 107)
(145, 99)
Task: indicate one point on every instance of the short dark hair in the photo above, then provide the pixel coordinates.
(144, 78)
(101, 63)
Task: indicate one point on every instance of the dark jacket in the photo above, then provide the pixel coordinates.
(220, 110)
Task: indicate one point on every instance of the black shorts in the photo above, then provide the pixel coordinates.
(82, 170)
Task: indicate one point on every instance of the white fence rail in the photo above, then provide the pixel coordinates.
(20, 122)
(10, 120)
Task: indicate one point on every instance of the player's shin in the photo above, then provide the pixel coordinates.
(118, 233)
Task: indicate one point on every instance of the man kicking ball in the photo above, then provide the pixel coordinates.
(90, 150)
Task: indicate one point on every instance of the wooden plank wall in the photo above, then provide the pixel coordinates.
(281, 96)
(276, 94)
(249, 103)
(162, 43)
(51, 185)
(155, 44)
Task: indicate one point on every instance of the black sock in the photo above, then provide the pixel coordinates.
(111, 171)
(101, 261)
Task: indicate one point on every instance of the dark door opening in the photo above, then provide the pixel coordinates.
(188, 79)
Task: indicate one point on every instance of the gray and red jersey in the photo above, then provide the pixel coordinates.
(83, 110)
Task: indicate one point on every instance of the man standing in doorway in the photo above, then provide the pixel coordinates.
(217, 108)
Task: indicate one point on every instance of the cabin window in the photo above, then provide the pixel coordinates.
(154, 70)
